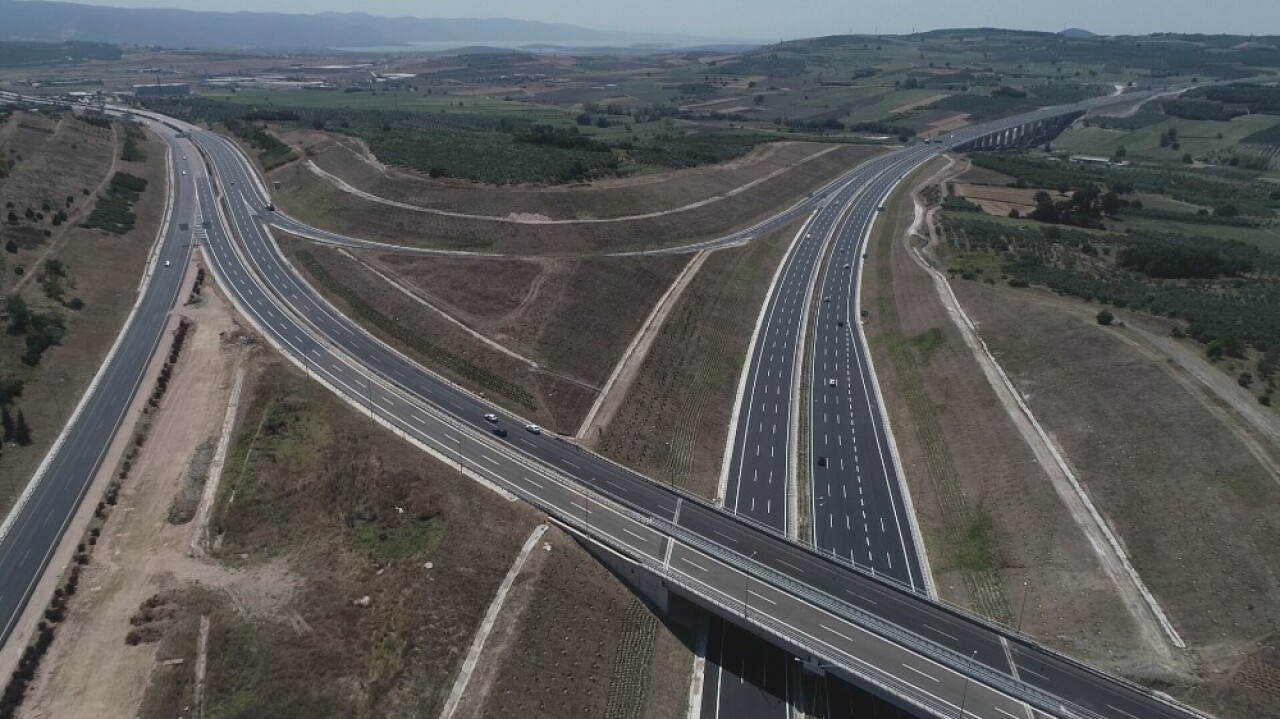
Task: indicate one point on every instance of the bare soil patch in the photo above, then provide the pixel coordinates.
(947, 124)
(990, 519)
(91, 670)
(672, 424)
(102, 269)
(317, 202)
(998, 201)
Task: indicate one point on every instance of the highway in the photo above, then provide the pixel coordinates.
(701, 542)
(871, 628)
(31, 531)
(858, 508)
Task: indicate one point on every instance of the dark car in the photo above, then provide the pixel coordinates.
(500, 431)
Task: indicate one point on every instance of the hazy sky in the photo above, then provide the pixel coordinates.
(785, 19)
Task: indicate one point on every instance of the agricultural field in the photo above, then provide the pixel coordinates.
(1223, 292)
(511, 117)
(1199, 138)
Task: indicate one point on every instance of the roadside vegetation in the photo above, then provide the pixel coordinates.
(114, 211)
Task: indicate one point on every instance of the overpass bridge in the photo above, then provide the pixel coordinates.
(1022, 134)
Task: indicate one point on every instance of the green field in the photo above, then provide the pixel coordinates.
(1196, 137)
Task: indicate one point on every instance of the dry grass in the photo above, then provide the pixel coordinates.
(315, 201)
(998, 200)
(1198, 514)
(591, 651)
(574, 317)
(672, 424)
(102, 269)
(350, 160)
(989, 517)
(313, 487)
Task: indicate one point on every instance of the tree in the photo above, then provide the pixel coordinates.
(1110, 204)
(1188, 159)
(1227, 210)
(1105, 318)
(1121, 151)
(19, 314)
(21, 430)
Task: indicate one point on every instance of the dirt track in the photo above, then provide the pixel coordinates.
(90, 671)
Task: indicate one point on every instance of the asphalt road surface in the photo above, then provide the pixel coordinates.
(31, 533)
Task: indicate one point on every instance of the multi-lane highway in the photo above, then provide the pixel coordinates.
(701, 543)
(32, 530)
(871, 629)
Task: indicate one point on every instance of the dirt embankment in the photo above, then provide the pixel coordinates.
(672, 424)
(91, 670)
(316, 201)
(592, 651)
(60, 161)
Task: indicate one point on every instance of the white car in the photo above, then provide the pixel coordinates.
(491, 418)
(184, 172)
(166, 263)
(831, 383)
(533, 428)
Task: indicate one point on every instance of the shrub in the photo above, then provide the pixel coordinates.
(1106, 318)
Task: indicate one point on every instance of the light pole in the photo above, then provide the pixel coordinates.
(1022, 612)
(461, 473)
(965, 695)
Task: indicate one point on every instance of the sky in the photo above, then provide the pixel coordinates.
(771, 20)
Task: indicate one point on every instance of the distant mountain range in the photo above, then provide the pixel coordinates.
(38, 20)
